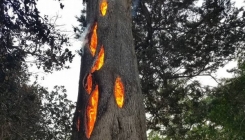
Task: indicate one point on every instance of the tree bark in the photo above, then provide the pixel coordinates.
(115, 35)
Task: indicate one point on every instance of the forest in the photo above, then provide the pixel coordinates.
(175, 41)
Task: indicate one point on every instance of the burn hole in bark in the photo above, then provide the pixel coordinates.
(91, 111)
(99, 62)
(103, 7)
(119, 92)
(88, 83)
(93, 39)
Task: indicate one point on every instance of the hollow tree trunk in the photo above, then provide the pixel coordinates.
(110, 103)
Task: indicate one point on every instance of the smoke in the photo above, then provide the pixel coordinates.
(135, 6)
(84, 38)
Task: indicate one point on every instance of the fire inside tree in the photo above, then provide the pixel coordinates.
(110, 104)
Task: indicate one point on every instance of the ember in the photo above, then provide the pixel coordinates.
(92, 111)
(119, 92)
(93, 40)
(100, 60)
(103, 7)
(89, 83)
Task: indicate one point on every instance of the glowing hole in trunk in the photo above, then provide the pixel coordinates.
(89, 83)
(93, 40)
(91, 111)
(100, 60)
(119, 92)
(103, 7)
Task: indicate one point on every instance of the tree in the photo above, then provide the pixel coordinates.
(154, 135)
(29, 111)
(22, 26)
(56, 115)
(24, 116)
(20, 105)
(110, 104)
(226, 106)
(176, 41)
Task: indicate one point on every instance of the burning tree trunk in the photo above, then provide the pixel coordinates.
(109, 105)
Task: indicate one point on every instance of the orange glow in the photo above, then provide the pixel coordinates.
(100, 60)
(103, 7)
(119, 92)
(78, 124)
(89, 83)
(78, 121)
(93, 40)
(91, 111)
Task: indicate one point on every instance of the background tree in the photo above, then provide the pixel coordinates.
(29, 111)
(176, 41)
(223, 107)
(226, 105)
(30, 33)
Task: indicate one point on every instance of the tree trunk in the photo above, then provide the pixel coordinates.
(118, 116)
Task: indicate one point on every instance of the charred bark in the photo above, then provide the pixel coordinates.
(115, 35)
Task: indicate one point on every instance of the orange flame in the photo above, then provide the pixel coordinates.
(103, 7)
(119, 92)
(100, 60)
(92, 111)
(93, 40)
(89, 83)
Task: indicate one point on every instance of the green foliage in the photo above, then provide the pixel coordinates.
(26, 114)
(227, 107)
(57, 114)
(176, 41)
(81, 28)
(24, 32)
(223, 118)
(19, 109)
(29, 111)
(154, 135)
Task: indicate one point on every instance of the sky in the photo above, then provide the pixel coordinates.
(70, 77)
